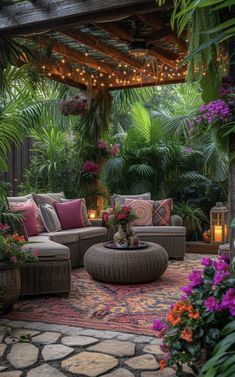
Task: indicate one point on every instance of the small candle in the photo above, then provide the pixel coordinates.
(218, 233)
(92, 213)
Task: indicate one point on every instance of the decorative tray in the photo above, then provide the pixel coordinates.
(112, 245)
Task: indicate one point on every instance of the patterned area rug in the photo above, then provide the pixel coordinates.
(98, 305)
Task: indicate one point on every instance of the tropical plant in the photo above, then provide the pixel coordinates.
(192, 216)
(221, 363)
(11, 218)
(11, 248)
(195, 323)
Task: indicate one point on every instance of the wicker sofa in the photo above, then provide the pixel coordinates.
(58, 252)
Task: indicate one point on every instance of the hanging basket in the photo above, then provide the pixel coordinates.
(10, 283)
(74, 106)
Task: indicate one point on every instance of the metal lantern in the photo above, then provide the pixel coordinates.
(219, 223)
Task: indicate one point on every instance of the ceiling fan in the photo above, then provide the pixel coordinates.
(138, 47)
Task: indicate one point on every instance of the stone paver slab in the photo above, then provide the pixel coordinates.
(15, 373)
(25, 332)
(147, 362)
(154, 349)
(78, 340)
(45, 370)
(2, 368)
(1, 338)
(47, 337)
(90, 364)
(120, 372)
(2, 349)
(142, 339)
(55, 351)
(22, 355)
(167, 372)
(11, 339)
(115, 348)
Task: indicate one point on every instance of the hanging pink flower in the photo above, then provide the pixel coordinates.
(76, 105)
(115, 149)
(91, 166)
(103, 145)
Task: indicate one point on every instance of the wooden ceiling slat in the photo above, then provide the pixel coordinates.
(163, 55)
(156, 35)
(77, 56)
(30, 17)
(95, 43)
(155, 22)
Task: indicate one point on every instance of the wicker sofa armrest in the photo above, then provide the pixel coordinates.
(176, 220)
(96, 222)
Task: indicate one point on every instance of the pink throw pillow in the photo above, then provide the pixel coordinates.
(39, 223)
(70, 214)
(29, 214)
(143, 209)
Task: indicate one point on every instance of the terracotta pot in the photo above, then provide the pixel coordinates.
(10, 283)
(206, 236)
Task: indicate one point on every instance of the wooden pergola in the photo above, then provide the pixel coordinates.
(91, 43)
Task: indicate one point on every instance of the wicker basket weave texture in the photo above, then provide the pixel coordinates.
(126, 266)
(10, 283)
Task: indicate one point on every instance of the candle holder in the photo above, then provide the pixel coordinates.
(91, 213)
(219, 223)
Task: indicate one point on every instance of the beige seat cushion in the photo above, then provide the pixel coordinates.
(159, 230)
(47, 248)
(73, 235)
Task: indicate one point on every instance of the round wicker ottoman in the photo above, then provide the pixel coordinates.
(126, 266)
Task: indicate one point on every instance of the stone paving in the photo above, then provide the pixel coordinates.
(36, 349)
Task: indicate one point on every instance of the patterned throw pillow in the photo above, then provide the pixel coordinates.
(162, 212)
(120, 199)
(49, 198)
(49, 218)
(143, 209)
(15, 204)
(84, 210)
(29, 216)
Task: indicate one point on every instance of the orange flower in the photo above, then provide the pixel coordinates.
(174, 318)
(18, 238)
(162, 364)
(187, 334)
(194, 315)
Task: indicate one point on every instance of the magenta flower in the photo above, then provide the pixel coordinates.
(187, 290)
(224, 257)
(195, 278)
(102, 145)
(106, 216)
(158, 325)
(115, 149)
(228, 301)
(4, 227)
(36, 253)
(90, 166)
(219, 277)
(211, 304)
(13, 259)
(206, 261)
(220, 265)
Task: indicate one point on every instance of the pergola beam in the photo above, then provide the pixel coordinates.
(115, 54)
(161, 54)
(29, 17)
(157, 24)
(76, 56)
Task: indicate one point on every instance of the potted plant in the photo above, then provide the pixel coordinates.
(195, 324)
(12, 256)
(192, 216)
(121, 217)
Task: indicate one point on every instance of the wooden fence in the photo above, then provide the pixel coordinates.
(18, 162)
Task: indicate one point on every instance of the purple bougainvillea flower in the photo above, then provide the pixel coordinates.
(158, 325)
(187, 290)
(195, 278)
(211, 304)
(220, 265)
(224, 257)
(219, 277)
(13, 259)
(206, 261)
(228, 300)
